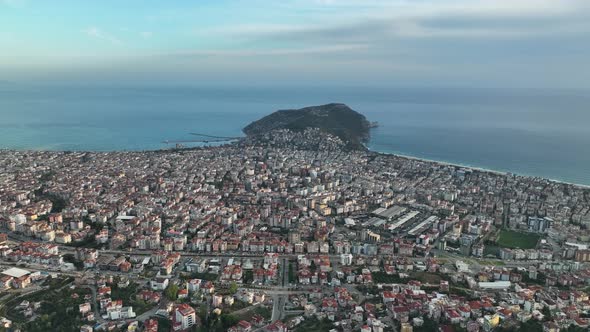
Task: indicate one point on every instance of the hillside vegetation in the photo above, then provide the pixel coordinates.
(336, 119)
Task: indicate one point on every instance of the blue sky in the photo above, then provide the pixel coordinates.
(520, 43)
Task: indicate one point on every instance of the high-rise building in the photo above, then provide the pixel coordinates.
(539, 225)
(346, 259)
(184, 317)
(294, 237)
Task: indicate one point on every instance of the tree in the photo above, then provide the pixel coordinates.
(291, 273)
(228, 321)
(164, 324)
(248, 277)
(202, 313)
(429, 325)
(171, 292)
(546, 312)
(574, 328)
(233, 288)
(530, 326)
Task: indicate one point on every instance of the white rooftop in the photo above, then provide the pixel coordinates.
(15, 272)
(495, 284)
(349, 222)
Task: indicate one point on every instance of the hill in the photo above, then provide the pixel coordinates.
(336, 119)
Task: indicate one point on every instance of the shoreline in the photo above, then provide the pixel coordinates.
(479, 169)
(398, 155)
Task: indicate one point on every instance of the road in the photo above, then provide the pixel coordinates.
(280, 294)
(334, 258)
(285, 272)
(477, 263)
(278, 307)
(97, 315)
(147, 315)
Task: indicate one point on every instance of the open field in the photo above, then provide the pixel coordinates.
(512, 239)
(425, 277)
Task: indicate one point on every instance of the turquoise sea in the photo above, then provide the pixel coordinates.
(531, 132)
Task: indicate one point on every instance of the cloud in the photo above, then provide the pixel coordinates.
(446, 40)
(390, 40)
(97, 33)
(313, 50)
(381, 21)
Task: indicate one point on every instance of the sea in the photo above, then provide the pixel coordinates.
(534, 132)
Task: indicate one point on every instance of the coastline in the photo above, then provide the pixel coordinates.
(398, 155)
(478, 169)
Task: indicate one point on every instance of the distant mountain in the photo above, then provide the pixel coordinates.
(336, 119)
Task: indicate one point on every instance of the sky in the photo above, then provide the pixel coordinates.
(488, 43)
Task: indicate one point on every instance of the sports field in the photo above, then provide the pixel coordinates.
(513, 239)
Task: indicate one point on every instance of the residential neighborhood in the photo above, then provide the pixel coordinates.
(286, 232)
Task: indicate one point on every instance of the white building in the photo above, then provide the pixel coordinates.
(346, 259)
(494, 285)
(116, 313)
(461, 266)
(159, 283)
(184, 316)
